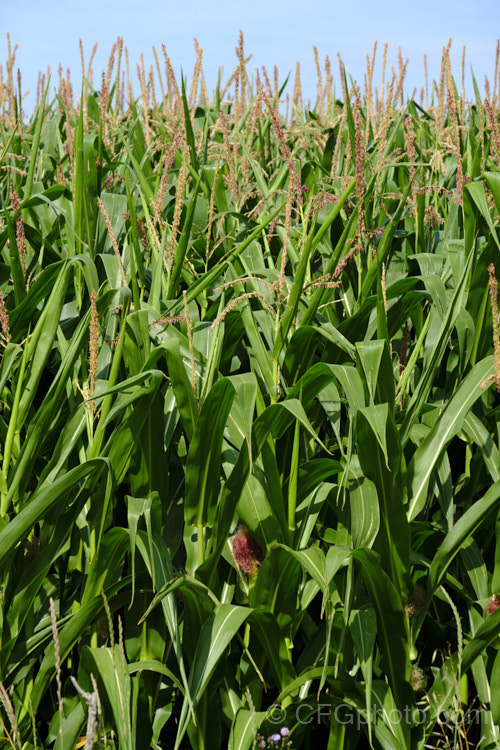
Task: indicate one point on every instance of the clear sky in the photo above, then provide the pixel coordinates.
(277, 32)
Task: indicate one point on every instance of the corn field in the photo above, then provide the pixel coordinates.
(249, 410)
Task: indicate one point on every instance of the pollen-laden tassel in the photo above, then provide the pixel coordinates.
(193, 92)
(141, 74)
(20, 115)
(119, 50)
(297, 97)
(411, 153)
(359, 161)
(93, 705)
(495, 130)
(387, 114)
(319, 86)
(5, 336)
(7, 703)
(494, 315)
(231, 179)
(455, 131)
(20, 237)
(11, 92)
(107, 220)
(169, 256)
(370, 115)
(384, 290)
(57, 655)
(403, 359)
(166, 165)
(93, 348)
(189, 324)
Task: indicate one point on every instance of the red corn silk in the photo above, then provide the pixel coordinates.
(247, 551)
(493, 604)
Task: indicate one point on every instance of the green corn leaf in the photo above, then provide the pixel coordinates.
(244, 728)
(184, 395)
(425, 383)
(379, 454)
(495, 687)
(476, 515)
(42, 502)
(299, 276)
(204, 457)
(110, 667)
(427, 455)
(215, 637)
(365, 512)
(363, 628)
(69, 635)
(446, 685)
(391, 629)
(183, 242)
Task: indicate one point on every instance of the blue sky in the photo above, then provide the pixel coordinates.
(277, 32)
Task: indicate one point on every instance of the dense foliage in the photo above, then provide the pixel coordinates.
(249, 415)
